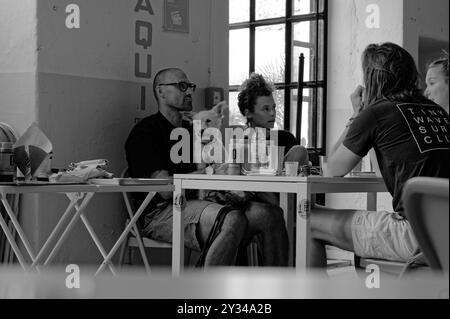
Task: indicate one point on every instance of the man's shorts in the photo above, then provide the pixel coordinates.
(383, 235)
(158, 224)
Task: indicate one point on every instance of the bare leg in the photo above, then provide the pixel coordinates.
(267, 220)
(329, 227)
(224, 249)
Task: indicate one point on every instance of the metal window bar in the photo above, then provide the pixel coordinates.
(301, 68)
(317, 16)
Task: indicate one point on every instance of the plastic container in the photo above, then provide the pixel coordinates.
(7, 165)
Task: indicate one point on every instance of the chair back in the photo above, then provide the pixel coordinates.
(426, 207)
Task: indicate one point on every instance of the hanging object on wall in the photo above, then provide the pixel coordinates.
(176, 15)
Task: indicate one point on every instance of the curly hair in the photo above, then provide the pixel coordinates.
(442, 61)
(389, 73)
(252, 88)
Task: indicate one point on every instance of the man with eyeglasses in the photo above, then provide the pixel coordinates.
(148, 154)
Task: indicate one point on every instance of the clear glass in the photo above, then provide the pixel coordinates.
(239, 56)
(306, 6)
(270, 52)
(302, 6)
(305, 136)
(239, 11)
(266, 9)
(236, 118)
(308, 112)
(320, 119)
(278, 96)
(304, 37)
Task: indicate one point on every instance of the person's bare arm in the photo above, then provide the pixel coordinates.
(342, 161)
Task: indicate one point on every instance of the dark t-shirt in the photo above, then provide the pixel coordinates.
(286, 139)
(409, 139)
(148, 150)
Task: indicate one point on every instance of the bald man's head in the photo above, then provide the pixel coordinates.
(164, 76)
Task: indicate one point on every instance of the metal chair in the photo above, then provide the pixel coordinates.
(426, 207)
(135, 239)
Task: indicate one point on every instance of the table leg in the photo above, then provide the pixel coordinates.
(178, 229)
(12, 242)
(126, 231)
(55, 231)
(69, 227)
(19, 230)
(372, 202)
(137, 235)
(303, 214)
(97, 242)
(288, 213)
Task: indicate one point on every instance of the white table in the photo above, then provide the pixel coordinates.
(79, 197)
(303, 187)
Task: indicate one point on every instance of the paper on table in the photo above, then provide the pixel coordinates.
(31, 150)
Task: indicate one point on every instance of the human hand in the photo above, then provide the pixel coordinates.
(187, 116)
(221, 169)
(357, 100)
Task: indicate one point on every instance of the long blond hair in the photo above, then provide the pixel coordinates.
(389, 73)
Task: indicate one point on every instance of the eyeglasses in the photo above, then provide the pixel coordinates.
(182, 86)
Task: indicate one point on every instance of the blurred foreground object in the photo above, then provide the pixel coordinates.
(217, 283)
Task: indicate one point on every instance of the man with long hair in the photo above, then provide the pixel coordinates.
(409, 135)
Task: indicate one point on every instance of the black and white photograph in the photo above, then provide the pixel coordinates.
(224, 157)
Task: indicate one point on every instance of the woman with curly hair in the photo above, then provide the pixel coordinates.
(437, 81)
(257, 104)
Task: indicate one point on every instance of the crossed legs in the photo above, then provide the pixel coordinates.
(224, 249)
(259, 219)
(267, 221)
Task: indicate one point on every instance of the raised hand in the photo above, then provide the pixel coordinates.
(357, 100)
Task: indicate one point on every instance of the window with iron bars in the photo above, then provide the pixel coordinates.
(268, 37)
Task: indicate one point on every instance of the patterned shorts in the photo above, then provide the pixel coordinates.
(158, 224)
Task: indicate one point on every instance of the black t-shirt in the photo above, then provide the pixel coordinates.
(409, 139)
(148, 150)
(286, 139)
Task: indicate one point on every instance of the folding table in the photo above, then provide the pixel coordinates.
(79, 197)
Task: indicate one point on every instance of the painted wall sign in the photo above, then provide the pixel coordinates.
(143, 39)
(176, 15)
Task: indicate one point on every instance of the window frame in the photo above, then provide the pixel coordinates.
(288, 85)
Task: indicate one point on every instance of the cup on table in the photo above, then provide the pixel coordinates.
(291, 168)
